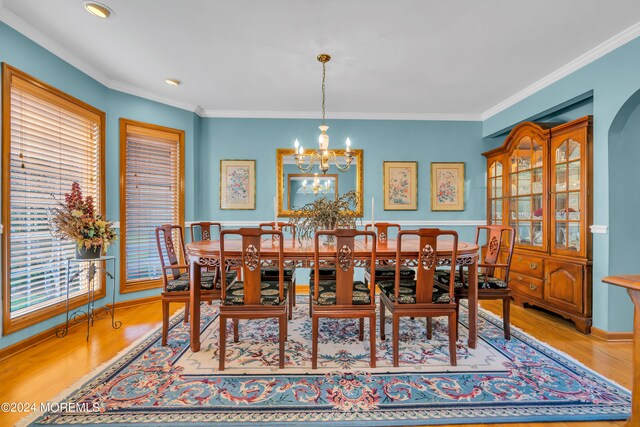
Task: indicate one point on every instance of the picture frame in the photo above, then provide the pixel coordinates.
(400, 185)
(238, 184)
(447, 186)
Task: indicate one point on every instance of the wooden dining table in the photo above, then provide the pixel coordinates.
(300, 254)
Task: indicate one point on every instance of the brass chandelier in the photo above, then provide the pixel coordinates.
(322, 156)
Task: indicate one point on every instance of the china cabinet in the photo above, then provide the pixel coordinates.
(539, 182)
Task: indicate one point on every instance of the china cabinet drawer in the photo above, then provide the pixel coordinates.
(526, 285)
(525, 264)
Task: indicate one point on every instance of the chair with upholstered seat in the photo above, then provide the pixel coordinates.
(385, 270)
(342, 297)
(175, 274)
(271, 272)
(424, 296)
(500, 238)
(253, 297)
(204, 230)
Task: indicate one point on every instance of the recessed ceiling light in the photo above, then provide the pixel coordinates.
(173, 82)
(98, 9)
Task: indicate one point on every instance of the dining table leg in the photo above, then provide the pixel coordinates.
(194, 304)
(473, 304)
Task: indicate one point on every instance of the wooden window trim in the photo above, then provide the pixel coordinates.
(149, 130)
(11, 74)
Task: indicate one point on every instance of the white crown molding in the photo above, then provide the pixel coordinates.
(449, 223)
(38, 37)
(599, 229)
(246, 114)
(152, 96)
(584, 59)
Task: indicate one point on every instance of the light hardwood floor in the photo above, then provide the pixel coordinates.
(38, 374)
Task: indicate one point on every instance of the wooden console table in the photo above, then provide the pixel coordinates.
(632, 283)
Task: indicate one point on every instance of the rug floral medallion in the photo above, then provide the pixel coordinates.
(521, 380)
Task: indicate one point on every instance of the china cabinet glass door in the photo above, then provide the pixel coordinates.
(567, 193)
(526, 199)
(495, 192)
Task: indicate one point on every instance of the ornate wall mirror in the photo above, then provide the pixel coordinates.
(293, 192)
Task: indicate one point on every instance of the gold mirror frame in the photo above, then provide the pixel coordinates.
(357, 163)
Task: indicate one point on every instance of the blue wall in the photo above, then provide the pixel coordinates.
(422, 141)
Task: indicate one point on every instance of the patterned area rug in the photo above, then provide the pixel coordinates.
(522, 380)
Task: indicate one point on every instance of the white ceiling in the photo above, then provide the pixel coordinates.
(391, 59)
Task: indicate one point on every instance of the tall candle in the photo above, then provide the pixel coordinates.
(275, 211)
(372, 205)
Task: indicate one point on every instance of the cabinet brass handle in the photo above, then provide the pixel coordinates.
(546, 277)
(520, 259)
(519, 278)
(532, 286)
(533, 265)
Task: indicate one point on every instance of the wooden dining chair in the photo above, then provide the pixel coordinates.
(175, 274)
(424, 296)
(386, 270)
(204, 230)
(271, 272)
(343, 297)
(253, 297)
(500, 238)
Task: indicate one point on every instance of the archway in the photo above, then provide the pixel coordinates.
(624, 206)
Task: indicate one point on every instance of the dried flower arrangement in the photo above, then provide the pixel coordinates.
(325, 214)
(75, 219)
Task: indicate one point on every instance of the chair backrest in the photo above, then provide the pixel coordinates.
(499, 237)
(282, 226)
(251, 260)
(165, 238)
(343, 254)
(205, 229)
(382, 230)
(427, 261)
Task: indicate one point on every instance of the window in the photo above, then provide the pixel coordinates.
(50, 140)
(151, 194)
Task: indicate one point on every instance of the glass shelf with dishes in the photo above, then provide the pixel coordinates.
(567, 196)
(526, 192)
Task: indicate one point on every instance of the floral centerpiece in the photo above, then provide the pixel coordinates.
(76, 220)
(325, 214)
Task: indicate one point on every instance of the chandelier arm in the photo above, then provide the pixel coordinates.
(313, 159)
(343, 168)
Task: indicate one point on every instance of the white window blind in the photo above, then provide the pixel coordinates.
(53, 142)
(153, 196)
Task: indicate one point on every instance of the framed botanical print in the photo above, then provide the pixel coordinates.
(400, 186)
(447, 186)
(237, 184)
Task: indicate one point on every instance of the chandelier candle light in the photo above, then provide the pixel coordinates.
(323, 156)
